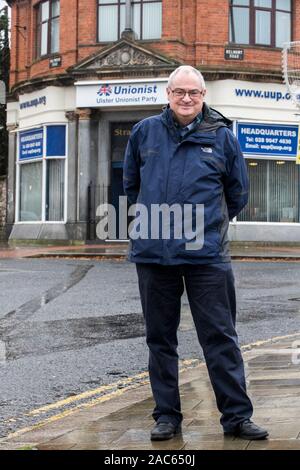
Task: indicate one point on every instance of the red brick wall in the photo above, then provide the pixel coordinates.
(194, 32)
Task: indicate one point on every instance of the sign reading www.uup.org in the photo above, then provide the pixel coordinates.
(121, 93)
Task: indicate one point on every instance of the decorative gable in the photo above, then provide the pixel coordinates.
(124, 54)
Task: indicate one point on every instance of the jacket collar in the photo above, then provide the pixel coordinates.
(211, 119)
(204, 132)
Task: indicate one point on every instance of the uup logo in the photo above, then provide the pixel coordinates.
(105, 90)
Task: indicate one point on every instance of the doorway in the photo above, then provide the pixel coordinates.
(120, 133)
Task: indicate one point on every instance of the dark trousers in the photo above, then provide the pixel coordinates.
(211, 294)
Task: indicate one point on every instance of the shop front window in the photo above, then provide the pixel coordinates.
(260, 22)
(55, 189)
(31, 192)
(146, 19)
(274, 193)
(41, 166)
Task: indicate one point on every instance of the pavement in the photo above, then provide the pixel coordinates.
(120, 419)
(111, 250)
(118, 416)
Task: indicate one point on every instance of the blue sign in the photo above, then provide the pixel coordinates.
(267, 139)
(31, 144)
(56, 141)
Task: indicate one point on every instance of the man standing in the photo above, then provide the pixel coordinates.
(188, 156)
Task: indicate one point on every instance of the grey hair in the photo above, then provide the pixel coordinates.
(186, 69)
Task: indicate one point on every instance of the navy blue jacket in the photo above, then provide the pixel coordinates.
(205, 166)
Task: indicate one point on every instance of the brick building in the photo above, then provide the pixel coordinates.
(83, 71)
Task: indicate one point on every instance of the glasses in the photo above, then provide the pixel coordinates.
(180, 93)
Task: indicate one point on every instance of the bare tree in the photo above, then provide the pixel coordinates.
(4, 78)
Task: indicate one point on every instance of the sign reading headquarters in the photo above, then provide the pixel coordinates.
(32, 142)
(264, 139)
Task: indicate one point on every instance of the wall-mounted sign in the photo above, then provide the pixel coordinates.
(54, 62)
(121, 93)
(31, 144)
(233, 54)
(56, 141)
(41, 100)
(267, 139)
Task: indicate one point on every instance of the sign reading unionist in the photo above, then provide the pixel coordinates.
(121, 93)
(266, 139)
(31, 144)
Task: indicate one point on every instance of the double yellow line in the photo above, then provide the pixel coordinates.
(107, 392)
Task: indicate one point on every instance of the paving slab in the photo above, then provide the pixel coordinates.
(124, 423)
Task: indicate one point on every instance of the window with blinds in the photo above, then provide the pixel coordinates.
(42, 176)
(47, 27)
(260, 22)
(146, 19)
(274, 193)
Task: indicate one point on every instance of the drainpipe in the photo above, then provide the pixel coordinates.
(128, 33)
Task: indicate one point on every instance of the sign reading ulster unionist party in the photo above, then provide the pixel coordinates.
(120, 93)
(31, 144)
(266, 139)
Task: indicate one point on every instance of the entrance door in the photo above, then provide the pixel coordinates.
(120, 133)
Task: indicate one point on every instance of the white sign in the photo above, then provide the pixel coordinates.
(243, 93)
(121, 93)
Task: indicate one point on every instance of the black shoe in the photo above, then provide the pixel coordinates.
(249, 431)
(164, 431)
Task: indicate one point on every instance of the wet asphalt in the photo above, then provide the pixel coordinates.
(69, 326)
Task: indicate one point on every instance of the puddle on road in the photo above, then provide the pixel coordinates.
(33, 338)
(20, 337)
(13, 318)
(10, 323)
(38, 338)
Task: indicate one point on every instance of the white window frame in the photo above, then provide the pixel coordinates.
(43, 161)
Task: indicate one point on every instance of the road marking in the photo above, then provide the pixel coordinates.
(130, 383)
(66, 413)
(266, 341)
(85, 395)
(185, 365)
